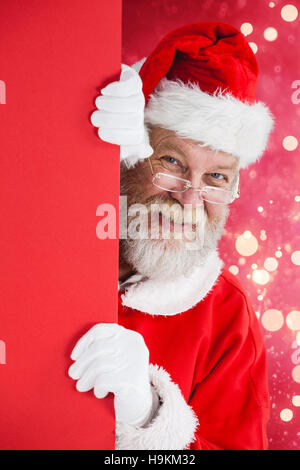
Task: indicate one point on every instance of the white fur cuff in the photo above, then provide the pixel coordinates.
(173, 427)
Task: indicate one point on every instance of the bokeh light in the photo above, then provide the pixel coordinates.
(271, 264)
(246, 29)
(246, 244)
(289, 13)
(296, 400)
(272, 319)
(270, 34)
(296, 373)
(293, 320)
(234, 269)
(253, 46)
(260, 276)
(286, 414)
(295, 258)
(290, 143)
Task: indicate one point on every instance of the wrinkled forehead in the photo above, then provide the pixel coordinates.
(194, 154)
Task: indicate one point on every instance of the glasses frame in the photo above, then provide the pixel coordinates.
(189, 186)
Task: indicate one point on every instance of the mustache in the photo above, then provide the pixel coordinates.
(175, 212)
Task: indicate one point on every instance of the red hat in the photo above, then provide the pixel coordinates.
(200, 82)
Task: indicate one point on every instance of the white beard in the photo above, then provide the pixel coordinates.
(161, 258)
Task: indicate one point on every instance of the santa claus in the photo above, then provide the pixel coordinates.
(186, 361)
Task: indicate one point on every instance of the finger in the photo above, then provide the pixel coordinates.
(101, 330)
(88, 379)
(101, 392)
(104, 385)
(130, 83)
(102, 356)
(117, 120)
(141, 151)
(121, 136)
(128, 104)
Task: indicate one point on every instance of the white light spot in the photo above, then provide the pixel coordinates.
(286, 414)
(270, 34)
(253, 47)
(296, 258)
(234, 269)
(290, 143)
(260, 276)
(289, 13)
(296, 400)
(272, 320)
(293, 320)
(246, 244)
(271, 264)
(246, 29)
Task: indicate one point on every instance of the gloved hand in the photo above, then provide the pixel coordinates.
(111, 358)
(120, 116)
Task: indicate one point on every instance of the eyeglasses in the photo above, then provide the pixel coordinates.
(210, 194)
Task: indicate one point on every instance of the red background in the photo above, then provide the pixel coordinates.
(57, 278)
(275, 178)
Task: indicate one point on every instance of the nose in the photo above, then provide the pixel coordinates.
(190, 196)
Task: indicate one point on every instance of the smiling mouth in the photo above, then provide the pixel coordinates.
(173, 226)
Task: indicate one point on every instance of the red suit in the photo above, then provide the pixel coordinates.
(208, 361)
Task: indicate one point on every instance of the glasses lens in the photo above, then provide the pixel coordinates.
(169, 183)
(217, 195)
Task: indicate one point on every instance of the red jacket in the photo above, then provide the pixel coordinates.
(208, 365)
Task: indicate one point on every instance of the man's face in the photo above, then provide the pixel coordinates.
(186, 159)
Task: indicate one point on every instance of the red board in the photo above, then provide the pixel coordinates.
(57, 278)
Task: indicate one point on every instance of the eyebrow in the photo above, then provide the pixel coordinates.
(169, 146)
(226, 167)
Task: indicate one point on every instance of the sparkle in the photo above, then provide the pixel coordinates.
(278, 254)
(270, 34)
(296, 373)
(296, 400)
(295, 258)
(286, 414)
(297, 198)
(253, 47)
(290, 143)
(272, 320)
(289, 13)
(260, 297)
(234, 269)
(260, 276)
(253, 266)
(260, 209)
(263, 235)
(271, 4)
(293, 320)
(271, 264)
(246, 244)
(246, 29)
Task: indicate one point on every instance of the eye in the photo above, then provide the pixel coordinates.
(170, 160)
(217, 175)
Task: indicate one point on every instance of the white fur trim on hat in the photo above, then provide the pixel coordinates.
(173, 427)
(173, 296)
(219, 121)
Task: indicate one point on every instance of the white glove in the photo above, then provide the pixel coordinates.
(111, 358)
(120, 116)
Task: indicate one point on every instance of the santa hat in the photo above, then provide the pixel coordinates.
(200, 82)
